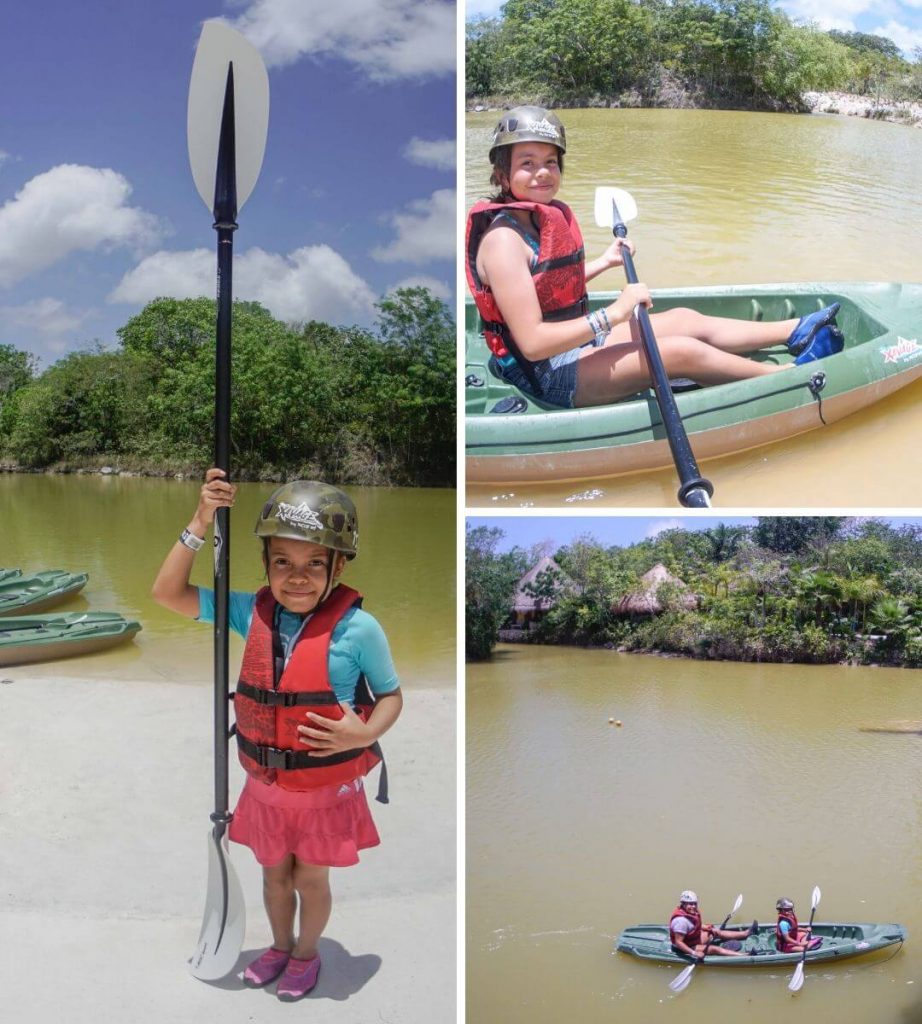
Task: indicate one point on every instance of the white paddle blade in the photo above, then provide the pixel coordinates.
(737, 905)
(218, 46)
(604, 212)
(797, 982)
(224, 921)
(681, 982)
(817, 896)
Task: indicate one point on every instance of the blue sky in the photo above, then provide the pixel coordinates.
(98, 211)
(899, 21)
(526, 531)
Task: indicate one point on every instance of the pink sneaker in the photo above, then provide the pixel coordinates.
(266, 968)
(299, 978)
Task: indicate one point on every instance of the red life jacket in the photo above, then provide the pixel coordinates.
(272, 698)
(559, 274)
(694, 936)
(784, 944)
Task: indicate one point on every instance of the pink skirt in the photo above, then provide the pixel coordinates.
(326, 826)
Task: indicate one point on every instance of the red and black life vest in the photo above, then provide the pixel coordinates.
(272, 698)
(559, 274)
(694, 936)
(781, 942)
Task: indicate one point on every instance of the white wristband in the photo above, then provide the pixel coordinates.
(192, 542)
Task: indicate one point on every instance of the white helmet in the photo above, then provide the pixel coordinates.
(688, 897)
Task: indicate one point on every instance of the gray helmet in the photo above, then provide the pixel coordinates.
(528, 124)
(312, 511)
(784, 904)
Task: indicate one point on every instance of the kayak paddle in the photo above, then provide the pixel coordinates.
(683, 980)
(228, 119)
(797, 982)
(613, 207)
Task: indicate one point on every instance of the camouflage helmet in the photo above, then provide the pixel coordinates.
(313, 511)
(528, 124)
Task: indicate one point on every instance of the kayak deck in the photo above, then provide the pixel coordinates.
(32, 638)
(39, 590)
(840, 940)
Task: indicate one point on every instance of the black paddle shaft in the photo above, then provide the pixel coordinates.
(225, 214)
(694, 489)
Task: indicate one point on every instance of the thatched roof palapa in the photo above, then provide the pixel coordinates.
(525, 602)
(645, 601)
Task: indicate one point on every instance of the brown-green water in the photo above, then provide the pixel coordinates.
(118, 529)
(728, 197)
(725, 778)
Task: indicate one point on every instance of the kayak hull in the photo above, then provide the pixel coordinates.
(34, 638)
(840, 941)
(882, 324)
(38, 591)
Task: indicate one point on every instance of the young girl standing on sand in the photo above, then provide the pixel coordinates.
(527, 272)
(307, 731)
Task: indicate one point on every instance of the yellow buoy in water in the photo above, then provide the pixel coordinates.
(611, 721)
(618, 723)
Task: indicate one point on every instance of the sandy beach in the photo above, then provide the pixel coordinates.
(105, 791)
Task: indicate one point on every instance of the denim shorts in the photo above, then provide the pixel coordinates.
(557, 377)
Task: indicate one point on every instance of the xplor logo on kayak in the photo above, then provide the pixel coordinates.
(904, 351)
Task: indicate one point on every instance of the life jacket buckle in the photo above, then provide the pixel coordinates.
(273, 757)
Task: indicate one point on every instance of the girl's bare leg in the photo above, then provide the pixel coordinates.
(312, 882)
(616, 370)
(720, 332)
(279, 901)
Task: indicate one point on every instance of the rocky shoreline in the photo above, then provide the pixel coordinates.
(897, 111)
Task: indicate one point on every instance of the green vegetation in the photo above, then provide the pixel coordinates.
(313, 400)
(489, 590)
(805, 589)
(674, 53)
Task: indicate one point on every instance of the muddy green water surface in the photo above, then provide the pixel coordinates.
(725, 778)
(729, 197)
(118, 529)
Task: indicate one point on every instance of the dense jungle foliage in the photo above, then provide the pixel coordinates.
(674, 53)
(342, 403)
(805, 589)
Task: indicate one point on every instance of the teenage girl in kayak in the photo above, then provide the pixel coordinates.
(309, 647)
(525, 266)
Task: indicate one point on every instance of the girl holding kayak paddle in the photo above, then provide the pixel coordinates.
(307, 725)
(526, 269)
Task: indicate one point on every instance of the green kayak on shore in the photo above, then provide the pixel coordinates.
(31, 638)
(38, 591)
(513, 438)
(840, 940)
(8, 574)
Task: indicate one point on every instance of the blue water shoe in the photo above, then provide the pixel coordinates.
(827, 341)
(807, 327)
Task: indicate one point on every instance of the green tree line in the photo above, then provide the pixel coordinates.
(804, 589)
(344, 403)
(710, 53)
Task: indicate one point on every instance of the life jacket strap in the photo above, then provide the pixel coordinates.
(290, 760)
(285, 699)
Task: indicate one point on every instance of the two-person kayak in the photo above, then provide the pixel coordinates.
(513, 438)
(32, 638)
(840, 941)
(39, 590)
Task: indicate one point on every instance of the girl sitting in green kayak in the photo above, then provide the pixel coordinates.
(307, 727)
(526, 269)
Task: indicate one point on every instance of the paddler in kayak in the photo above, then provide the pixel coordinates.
(789, 936)
(691, 937)
(526, 269)
(306, 726)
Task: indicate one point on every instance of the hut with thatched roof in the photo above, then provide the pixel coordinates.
(528, 606)
(646, 600)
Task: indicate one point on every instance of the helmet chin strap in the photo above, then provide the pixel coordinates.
(326, 591)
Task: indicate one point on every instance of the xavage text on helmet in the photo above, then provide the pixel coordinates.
(311, 511)
(528, 124)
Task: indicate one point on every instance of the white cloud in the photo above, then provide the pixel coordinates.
(438, 153)
(68, 209)
(311, 283)
(661, 525)
(906, 38)
(47, 316)
(840, 15)
(438, 288)
(387, 39)
(4, 156)
(425, 231)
